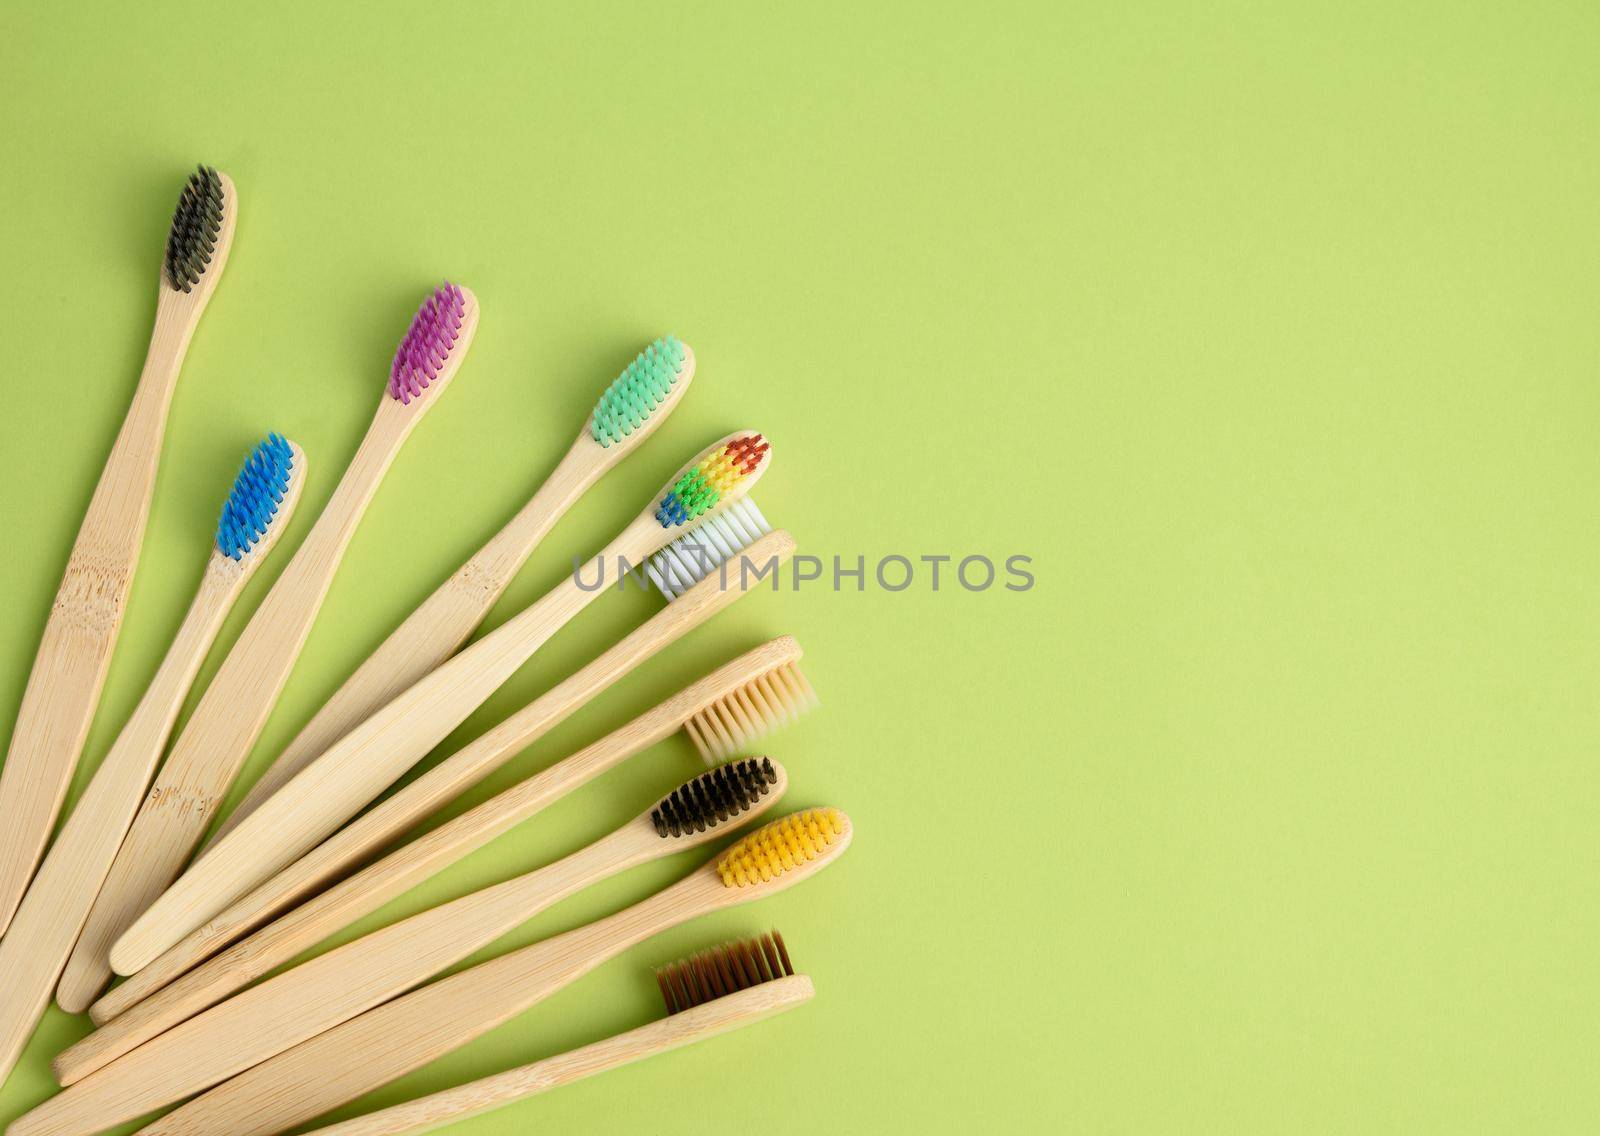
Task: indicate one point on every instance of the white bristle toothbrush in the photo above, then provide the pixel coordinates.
(318, 995)
(758, 692)
(769, 675)
(628, 412)
(371, 757)
(75, 651)
(230, 716)
(391, 1040)
(707, 994)
(53, 909)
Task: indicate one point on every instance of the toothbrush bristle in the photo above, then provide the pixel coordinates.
(719, 971)
(638, 391)
(780, 846)
(698, 491)
(257, 495)
(738, 719)
(692, 557)
(426, 347)
(196, 224)
(715, 797)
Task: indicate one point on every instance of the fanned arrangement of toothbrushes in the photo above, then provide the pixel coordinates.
(205, 1019)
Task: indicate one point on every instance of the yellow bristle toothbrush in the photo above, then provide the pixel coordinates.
(75, 651)
(761, 690)
(359, 841)
(371, 757)
(628, 412)
(335, 987)
(53, 909)
(707, 994)
(225, 725)
(390, 1040)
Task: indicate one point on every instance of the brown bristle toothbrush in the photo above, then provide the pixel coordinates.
(707, 994)
(75, 651)
(763, 690)
(318, 995)
(391, 1040)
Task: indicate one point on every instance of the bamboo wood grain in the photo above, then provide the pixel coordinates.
(438, 628)
(405, 867)
(75, 650)
(369, 759)
(392, 1039)
(56, 904)
(318, 995)
(390, 819)
(225, 725)
(698, 1023)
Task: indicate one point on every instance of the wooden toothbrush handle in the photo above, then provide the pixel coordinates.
(438, 628)
(445, 781)
(333, 988)
(51, 914)
(393, 1039)
(74, 654)
(698, 1023)
(194, 779)
(335, 787)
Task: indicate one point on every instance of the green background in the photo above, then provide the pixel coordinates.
(1268, 331)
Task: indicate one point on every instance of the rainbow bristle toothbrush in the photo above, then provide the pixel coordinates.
(707, 994)
(218, 736)
(628, 412)
(373, 755)
(75, 651)
(391, 1040)
(53, 909)
(332, 988)
(764, 688)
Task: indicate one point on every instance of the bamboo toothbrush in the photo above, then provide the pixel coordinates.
(318, 995)
(755, 690)
(760, 691)
(628, 412)
(75, 651)
(52, 911)
(706, 994)
(390, 1040)
(218, 736)
(372, 756)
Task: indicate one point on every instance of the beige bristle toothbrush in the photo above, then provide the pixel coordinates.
(761, 688)
(217, 739)
(371, 757)
(391, 1040)
(628, 412)
(706, 994)
(75, 650)
(53, 909)
(318, 995)
(755, 693)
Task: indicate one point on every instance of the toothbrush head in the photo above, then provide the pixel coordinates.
(724, 970)
(435, 343)
(264, 494)
(719, 476)
(739, 718)
(197, 226)
(642, 395)
(718, 797)
(786, 850)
